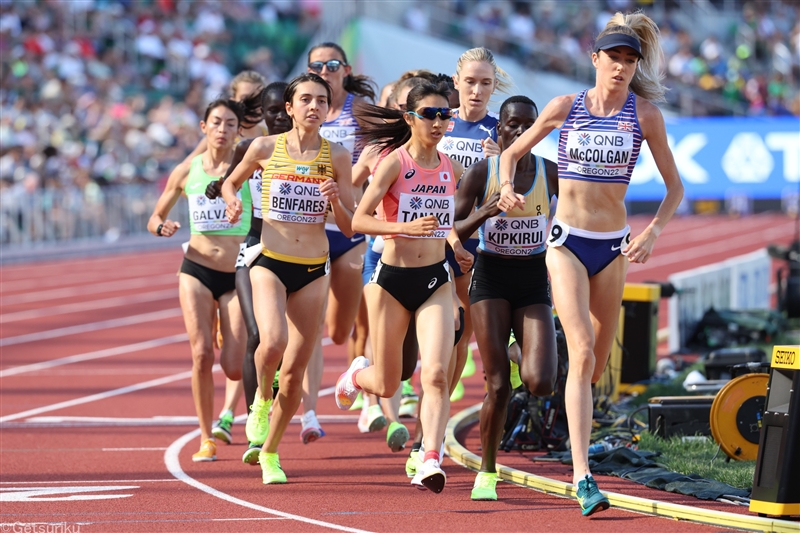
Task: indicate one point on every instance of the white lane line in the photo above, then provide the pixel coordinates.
(245, 519)
(156, 421)
(173, 463)
(99, 354)
(91, 305)
(108, 352)
(90, 288)
(92, 326)
(102, 395)
(86, 481)
(133, 449)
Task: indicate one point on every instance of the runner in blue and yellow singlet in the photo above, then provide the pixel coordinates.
(509, 289)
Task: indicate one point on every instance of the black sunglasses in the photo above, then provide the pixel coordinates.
(332, 64)
(432, 112)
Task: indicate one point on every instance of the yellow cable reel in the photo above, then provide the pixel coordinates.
(736, 416)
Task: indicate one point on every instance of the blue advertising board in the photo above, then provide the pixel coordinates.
(718, 158)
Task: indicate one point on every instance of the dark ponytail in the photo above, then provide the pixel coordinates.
(386, 128)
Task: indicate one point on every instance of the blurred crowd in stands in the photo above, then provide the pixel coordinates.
(97, 92)
(722, 56)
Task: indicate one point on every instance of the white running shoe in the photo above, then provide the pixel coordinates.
(346, 390)
(430, 476)
(311, 430)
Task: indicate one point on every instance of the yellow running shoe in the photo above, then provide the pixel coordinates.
(469, 366)
(516, 380)
(208, 452)
(484, 489)
(458, 392)
(396, 437)
(412, 463)
(257, 427)
(271, 471)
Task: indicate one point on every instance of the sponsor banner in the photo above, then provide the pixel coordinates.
(719, 158)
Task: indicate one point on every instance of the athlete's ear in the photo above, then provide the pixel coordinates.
(595, 59)
(289, 110)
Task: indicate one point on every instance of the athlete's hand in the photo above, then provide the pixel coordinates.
(489, 207)
(422, 227)
(233, 211)
(641, 247)
(330, 190)
(214, 189)
(463, 257)
(169, 228)
(490, 147)
(509, 200)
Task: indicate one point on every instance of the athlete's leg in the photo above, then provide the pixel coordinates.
(462, 291)
(312, 380)
(571, 295)
(304, 312)
(536, 334)
(199, 312)
(234, 334)
(492, 327)
(606, 289)
(345, 294)
(269, 306)
(357, 345)
(245, 293)
(435, 335)
(388, 320)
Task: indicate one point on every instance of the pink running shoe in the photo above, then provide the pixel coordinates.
(346, 391)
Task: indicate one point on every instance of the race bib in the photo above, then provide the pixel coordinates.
(514, 236)
(558, 234)
(209, 215)
(414, 206)
(297, 199)
(599, 154)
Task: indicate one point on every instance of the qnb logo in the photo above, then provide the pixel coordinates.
(416, 202)
(410, 174)
(500, 225)
(448, 143)
(584, 139)
(201, 200)
(258, 187)
(432, 283)
(285, 188)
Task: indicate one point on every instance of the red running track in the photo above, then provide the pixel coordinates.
(96, 428)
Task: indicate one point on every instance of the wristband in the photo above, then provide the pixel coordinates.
(507, 182)
(158, 230)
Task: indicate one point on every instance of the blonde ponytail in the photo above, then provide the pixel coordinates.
(502, 79)
(646, 81)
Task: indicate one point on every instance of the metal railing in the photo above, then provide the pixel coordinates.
(50, 216)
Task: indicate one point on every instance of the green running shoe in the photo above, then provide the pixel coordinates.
(458, 392)
(250, 456)
(358, 403)
(397, 436)
(412, 463)
(516, 380)
(257, 427)
(469, 366)
(590, 497)
(222, 429)
(484, 488)
(271, 471)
